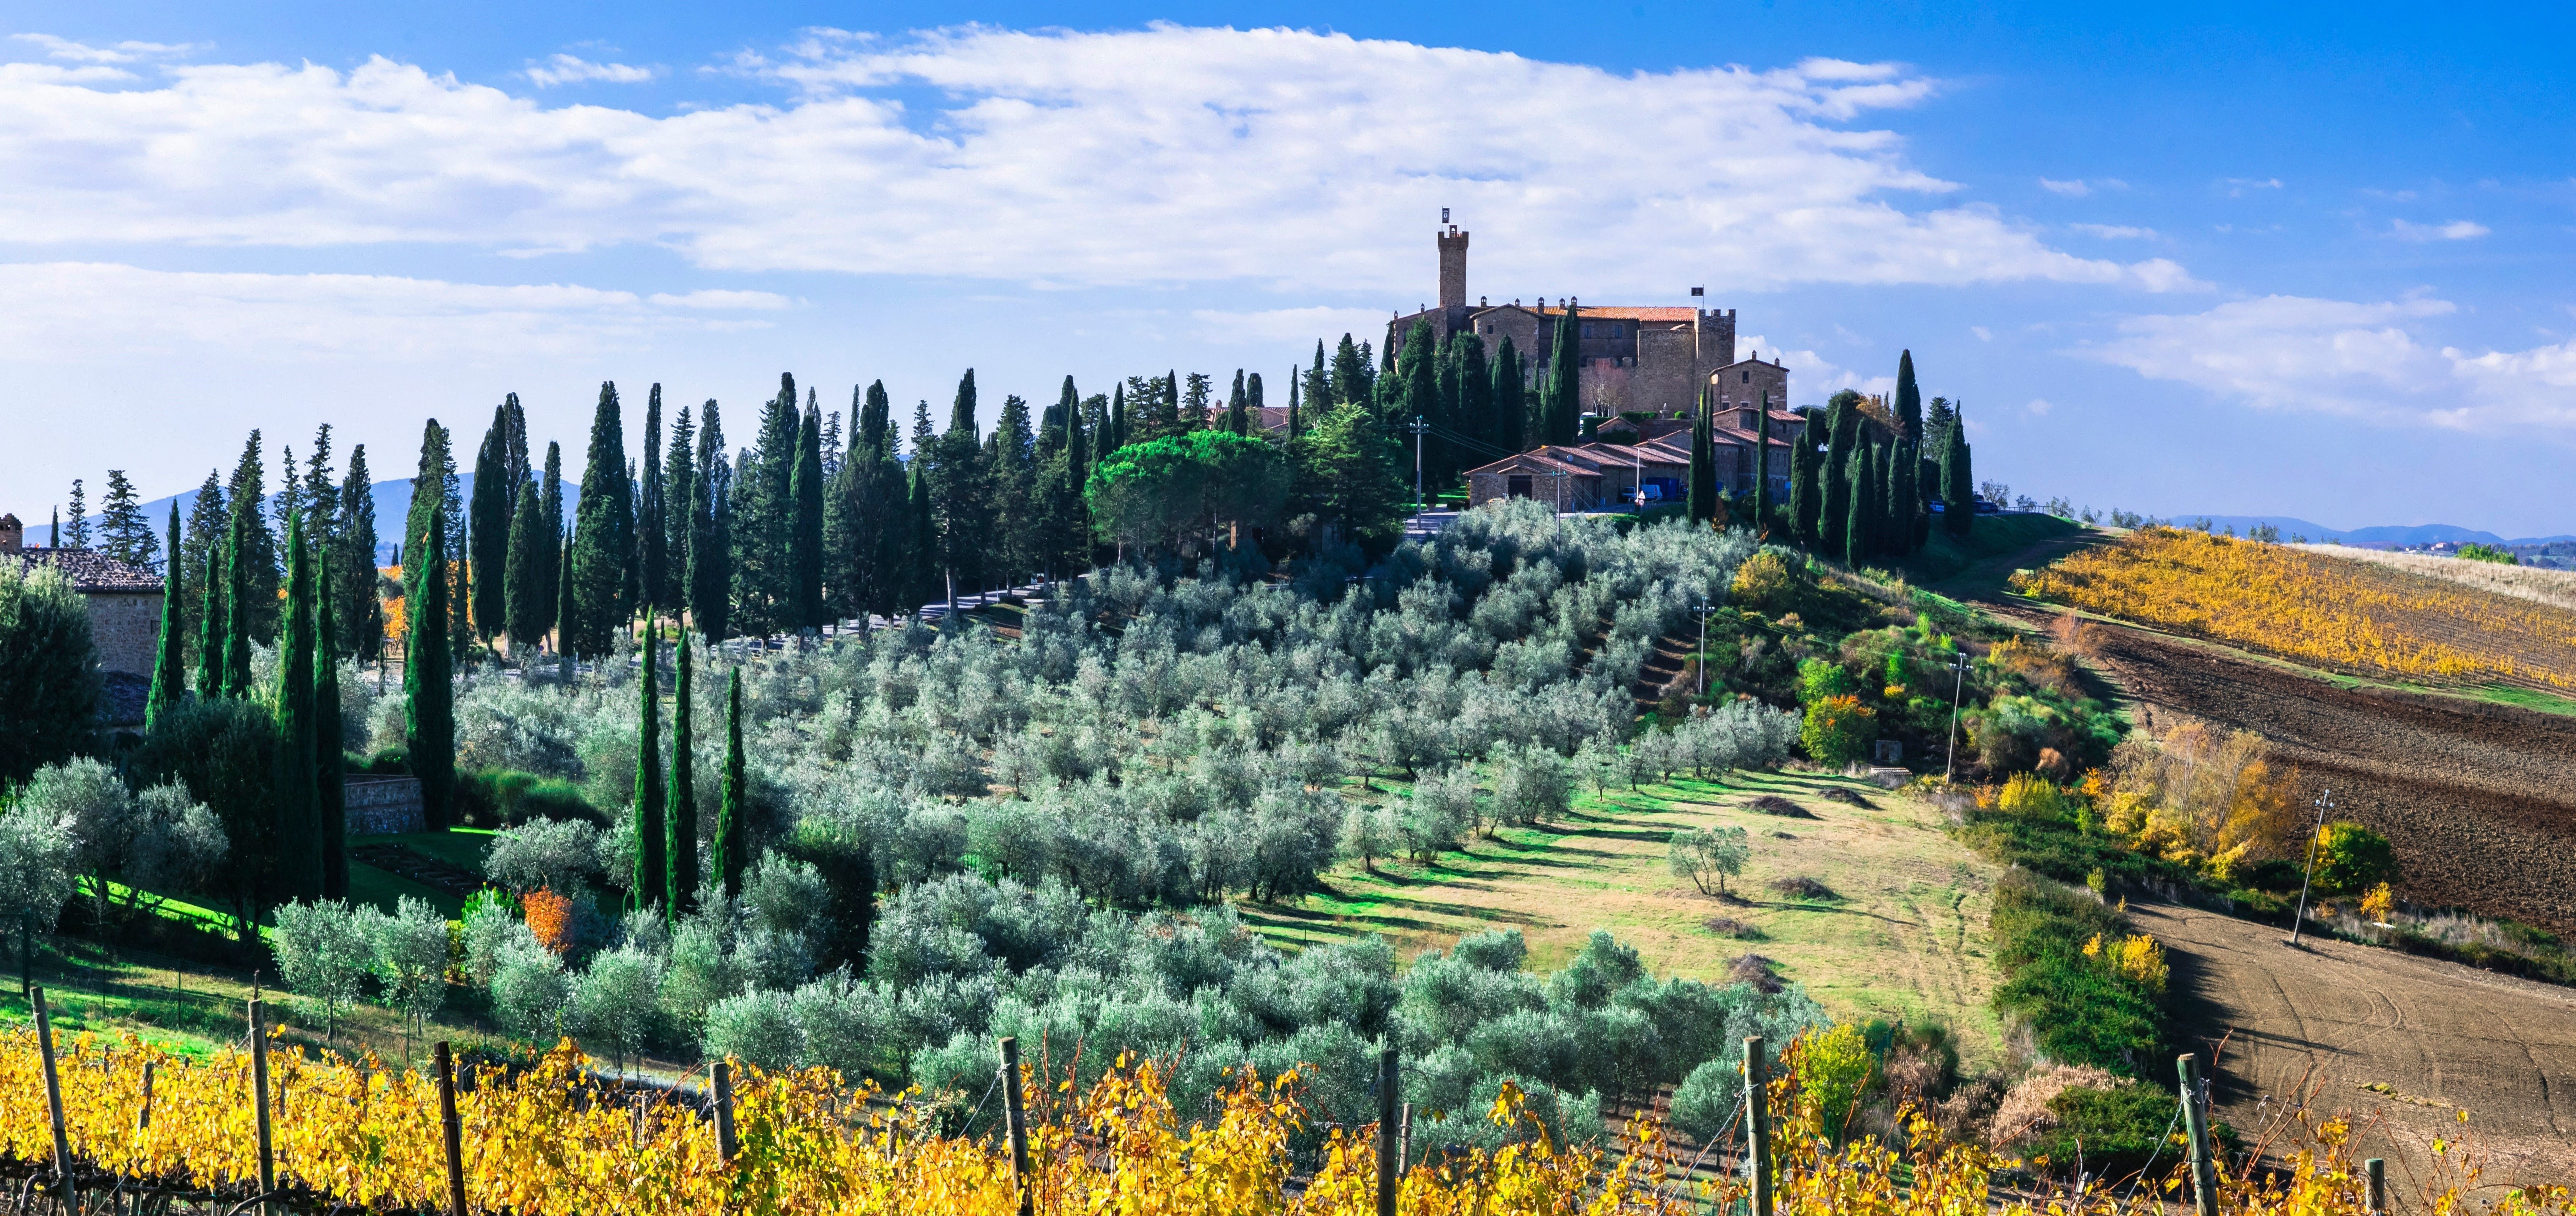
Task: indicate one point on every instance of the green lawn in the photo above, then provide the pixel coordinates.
(1904, 936)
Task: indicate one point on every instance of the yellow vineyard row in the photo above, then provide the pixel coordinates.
(2310, 606)
(546, 1138)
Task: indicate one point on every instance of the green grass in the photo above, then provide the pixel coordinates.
(1945, 556)
(1905, 939)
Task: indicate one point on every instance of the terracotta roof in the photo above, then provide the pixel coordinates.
(92, 571)
(1590, 459)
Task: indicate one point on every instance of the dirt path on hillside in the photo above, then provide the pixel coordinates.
(2438, 1036)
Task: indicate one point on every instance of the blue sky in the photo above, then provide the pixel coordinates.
(2237, 260)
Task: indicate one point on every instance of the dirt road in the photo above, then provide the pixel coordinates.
(2439, 1037)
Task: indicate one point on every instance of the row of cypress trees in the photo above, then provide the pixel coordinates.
(1860, 478)
(666, 800)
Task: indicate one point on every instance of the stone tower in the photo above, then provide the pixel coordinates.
(1453, 269)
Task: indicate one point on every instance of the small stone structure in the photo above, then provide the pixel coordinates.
(383, 806)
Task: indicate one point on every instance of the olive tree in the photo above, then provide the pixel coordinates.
(323, 954)
(1709, 856)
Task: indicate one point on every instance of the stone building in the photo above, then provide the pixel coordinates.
(1641, 358)
(124, 602)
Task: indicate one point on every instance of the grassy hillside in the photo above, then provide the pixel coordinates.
(1902, 934)
(2355, 617)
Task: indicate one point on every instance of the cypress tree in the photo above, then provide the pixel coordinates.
(729, 843)
(169, 663)
(885, 511)
(297, 801)
(1417, 380)
(763, 519)
(1702, 490)
(429, 691)
(1117, 417)
(960, 494)
(1561, 399)
(1842, 428)
(238, 609)
(1234, 407)
(216, 629)
(1958, 480)
(516, 452)
(531, 542)
(1511, 411)
(1292, 400)
(652, 841)
(1802, 479)
(805, 527)
(922, 545)
(361, 612)
(679, 483)
(711, 531)
(1762, 465)
(1015, 499)
(255, 568)
(1899, 517)
(550, 577)
(1251, 405)
(1351, 380)
(680, 850)
(652, 539)
(330, 777)
(1855, 536)
(563, 594)
(428, 497)
(603, 539)
(207, 520)
(845, 556)
(488, 524)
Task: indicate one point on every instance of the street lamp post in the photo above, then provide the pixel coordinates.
(2325, 802)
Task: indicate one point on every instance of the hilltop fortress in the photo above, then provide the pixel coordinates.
(1646, 359)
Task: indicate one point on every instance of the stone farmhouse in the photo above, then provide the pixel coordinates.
(124, 602)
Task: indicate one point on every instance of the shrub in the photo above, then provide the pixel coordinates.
(1838, 730)
(1771, 582)
(2352, 858)
(2031, 796)
(546, 854)
(1820, 680)
(2080, 1011)
(2112, 1130)
(1834, 1069)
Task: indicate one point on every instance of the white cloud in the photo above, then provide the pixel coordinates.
(55, 312)
(568, 69)
(124, 52)
(1983, 334)
(2074, 189)
(2353, 359)
(1168, 154)
(2039, 407)
(1812, 377)
(2456, 230)
(2165, 274)
(2115, 232)
(1279, 325)
(2237, 186)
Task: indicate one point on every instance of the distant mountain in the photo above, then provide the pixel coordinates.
(2384, 534)
(393, 499)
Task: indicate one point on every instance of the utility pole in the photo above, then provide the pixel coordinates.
(1958, 681)
(1703, 648)
(2325, 802)
(1418, 427)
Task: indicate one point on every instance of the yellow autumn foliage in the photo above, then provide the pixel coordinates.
(548, 1138)
(2313, 607)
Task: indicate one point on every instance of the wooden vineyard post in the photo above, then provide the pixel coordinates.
(1757, 1106)
(2376, 1170)
(1017, 1120)
(724, 1110)
(2195, 1117)
(259, 1097)
(143, 1121)
(54, 1098)
(451, 1130)
(1388, 1081)
(1404, 1140)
